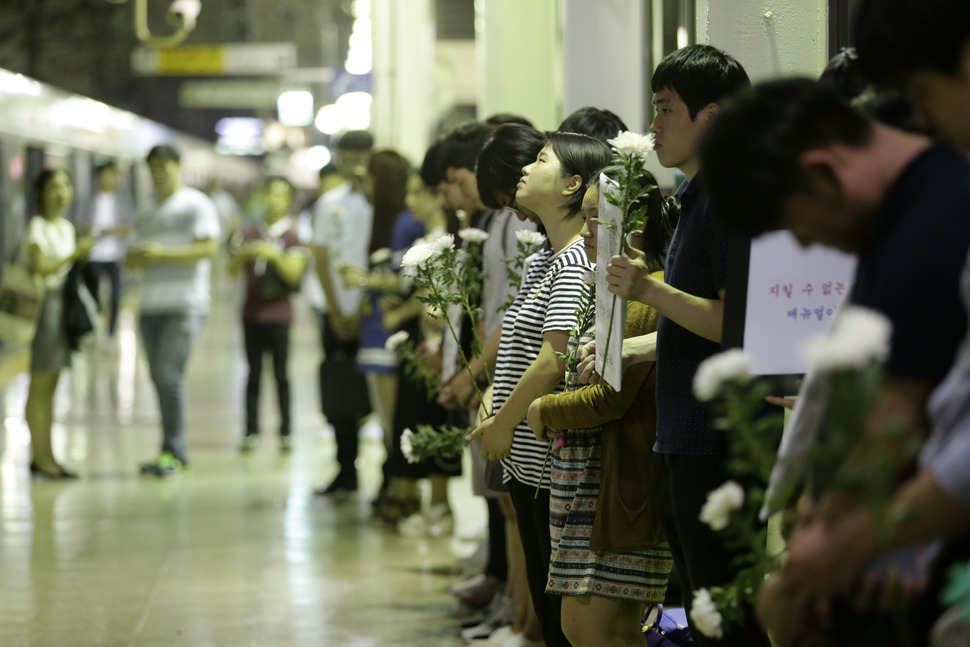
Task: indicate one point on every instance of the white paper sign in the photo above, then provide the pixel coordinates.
(609, 307)
(793, 293)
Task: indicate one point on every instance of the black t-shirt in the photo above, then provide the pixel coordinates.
(909, 269)
(696, 264)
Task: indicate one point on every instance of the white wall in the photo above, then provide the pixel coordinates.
(603, 58)
(770, 38)
(403, 76)
(520, 59)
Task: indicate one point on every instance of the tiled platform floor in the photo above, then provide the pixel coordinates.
(237, 551)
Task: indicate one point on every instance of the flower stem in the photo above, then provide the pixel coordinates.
(542, 473)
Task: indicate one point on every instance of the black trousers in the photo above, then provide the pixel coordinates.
(343, 397)
(533, 517)
(275, 339)
(700, 558)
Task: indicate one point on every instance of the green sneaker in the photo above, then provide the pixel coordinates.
(165, 465)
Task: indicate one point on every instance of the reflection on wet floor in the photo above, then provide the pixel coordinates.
(236, 551)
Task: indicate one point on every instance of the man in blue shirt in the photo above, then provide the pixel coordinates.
(691, 455)
(792, 154)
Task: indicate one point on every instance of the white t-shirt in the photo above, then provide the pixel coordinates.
(186, 217)
(551, 292)
(342, 220)
(105, 215)
(55, 239)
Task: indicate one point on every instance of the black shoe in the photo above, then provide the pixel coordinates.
(339, 487)
(59, 475)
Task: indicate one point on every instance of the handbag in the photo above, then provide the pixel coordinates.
(21, 300)
(666, 628)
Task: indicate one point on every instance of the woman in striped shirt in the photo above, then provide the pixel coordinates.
(535, 332)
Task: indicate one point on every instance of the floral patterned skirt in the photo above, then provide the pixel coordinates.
(575, 569)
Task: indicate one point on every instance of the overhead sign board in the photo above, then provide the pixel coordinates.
(215, 60)
(218, 93)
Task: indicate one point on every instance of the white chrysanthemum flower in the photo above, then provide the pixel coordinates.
(379, 256)
(720, 503)
(858, 336)
(719, 369)
(632, 144)
(529, 237)
(407, 446)
(473, 235)
(442, 243)
(396, 340)
(590, 277)
(705, 615)
(417, 255)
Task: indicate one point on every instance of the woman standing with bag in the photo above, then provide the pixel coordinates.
(48, 250)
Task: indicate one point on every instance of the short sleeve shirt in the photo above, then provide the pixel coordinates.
(553, 288)
(342, 221)
(55, 239)
(696, 264)
(258, 308)
(186, 217)
(910, 268)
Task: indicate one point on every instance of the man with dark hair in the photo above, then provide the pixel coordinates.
(342, 220)
(500, 119)
(108, 219)
(691, 455)
(501, 161)
(596, 122)
(173, 244)
(793, 154)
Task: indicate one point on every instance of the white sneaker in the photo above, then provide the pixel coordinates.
(500, 635)
(498, 614)
(519, 640)
(436, 521)
(477, 591)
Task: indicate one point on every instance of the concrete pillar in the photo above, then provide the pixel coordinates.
(771, 38)
(520, 59)
(403, 76)
(604, 54)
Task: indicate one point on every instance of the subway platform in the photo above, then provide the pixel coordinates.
(235, 551)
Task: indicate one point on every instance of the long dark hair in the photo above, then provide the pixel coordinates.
(389, 172)
(580, 155)
(662, 214)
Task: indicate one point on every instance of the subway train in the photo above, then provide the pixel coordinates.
(44, 127)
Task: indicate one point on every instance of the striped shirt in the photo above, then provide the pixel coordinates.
(551, 292)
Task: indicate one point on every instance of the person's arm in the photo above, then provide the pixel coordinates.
(40, 263)
(589, 406)
(460, 388)
(290, 263)
(151, 253)
(629, 279)
(321, 258)
(542, 376)
(636, 350)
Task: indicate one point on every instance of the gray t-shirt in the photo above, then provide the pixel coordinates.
(186, 217)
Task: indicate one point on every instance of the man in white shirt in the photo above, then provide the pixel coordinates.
(173, 244)
(342, 220)
(109, 220)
